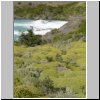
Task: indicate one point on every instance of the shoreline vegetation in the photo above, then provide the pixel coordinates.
(52, 65)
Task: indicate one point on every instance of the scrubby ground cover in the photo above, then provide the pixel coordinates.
(50, 71)
(54, 12)
(51, 66)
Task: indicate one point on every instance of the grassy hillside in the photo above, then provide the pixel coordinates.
(62, 66)
(45, 11)
(52, 65)
(29, 4)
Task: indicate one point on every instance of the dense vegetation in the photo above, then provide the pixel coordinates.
(55, 67)
(60, 12)
(50, 70)
(29, 39)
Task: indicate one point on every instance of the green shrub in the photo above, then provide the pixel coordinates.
(17, 79)
(30, 3)
(19, 3)
(27, 92)
(49, 59)
(54, 31)
(30, 39)
(47, 85)
(59, 58)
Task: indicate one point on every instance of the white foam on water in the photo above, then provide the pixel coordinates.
(16, 32)
(41, 26)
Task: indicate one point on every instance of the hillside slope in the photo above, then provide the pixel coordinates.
(50, 71)
(46, 10)
(74, 23)
(55, 66)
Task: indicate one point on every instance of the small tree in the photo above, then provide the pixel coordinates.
(49, 59)
(59, 58)
(30, 39)
(47, 85)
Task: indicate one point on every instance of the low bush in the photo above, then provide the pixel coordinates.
(29, 39)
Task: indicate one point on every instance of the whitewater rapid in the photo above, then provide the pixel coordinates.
(38, 26)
